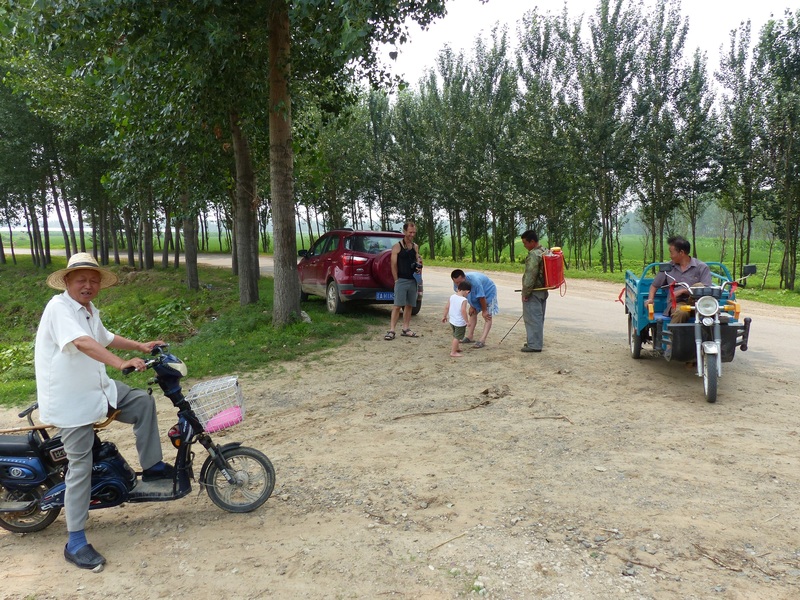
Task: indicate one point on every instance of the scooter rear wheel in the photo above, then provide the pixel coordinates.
(255, 480)
(31, 520)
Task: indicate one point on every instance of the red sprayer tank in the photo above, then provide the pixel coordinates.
(553, 269)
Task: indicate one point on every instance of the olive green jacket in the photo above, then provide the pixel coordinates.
(533, 278)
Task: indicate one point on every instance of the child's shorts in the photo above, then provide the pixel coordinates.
(458, 331)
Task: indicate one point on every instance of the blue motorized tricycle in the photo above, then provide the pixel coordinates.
(708, 338)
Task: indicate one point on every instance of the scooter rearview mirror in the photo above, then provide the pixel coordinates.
(664, 267)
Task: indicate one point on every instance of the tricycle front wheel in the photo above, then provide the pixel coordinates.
(253, 480)
(710, 376)
(634, 339)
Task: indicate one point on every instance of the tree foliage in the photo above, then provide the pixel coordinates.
(140, 120)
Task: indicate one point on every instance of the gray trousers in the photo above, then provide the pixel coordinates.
(138, 409)
(533, 316)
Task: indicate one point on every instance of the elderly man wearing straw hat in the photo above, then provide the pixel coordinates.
(74, 390)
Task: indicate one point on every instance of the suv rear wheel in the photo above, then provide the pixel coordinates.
(335, 305)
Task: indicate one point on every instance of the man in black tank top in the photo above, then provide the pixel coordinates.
(405, 262)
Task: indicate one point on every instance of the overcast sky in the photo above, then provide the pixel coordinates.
(710, 23)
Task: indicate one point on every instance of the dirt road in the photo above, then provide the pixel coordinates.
(403, 473)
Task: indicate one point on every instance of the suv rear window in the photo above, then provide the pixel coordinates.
(371, 244)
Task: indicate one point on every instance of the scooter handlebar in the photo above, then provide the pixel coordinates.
(155, 352)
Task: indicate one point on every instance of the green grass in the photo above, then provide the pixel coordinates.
(207, 329)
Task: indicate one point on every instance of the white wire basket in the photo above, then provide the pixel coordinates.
(218, 403)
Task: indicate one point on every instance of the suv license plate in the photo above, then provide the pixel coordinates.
(384, 296)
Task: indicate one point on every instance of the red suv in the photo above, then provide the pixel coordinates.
(351, 266)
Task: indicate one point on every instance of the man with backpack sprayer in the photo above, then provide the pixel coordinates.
(534, 296)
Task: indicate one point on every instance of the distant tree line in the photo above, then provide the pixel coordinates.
(144, 122)
(578, 128)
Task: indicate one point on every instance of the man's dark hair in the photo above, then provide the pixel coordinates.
(465, 285)
(530, 236)
(408, 224)
(457, 273)
(680, 244)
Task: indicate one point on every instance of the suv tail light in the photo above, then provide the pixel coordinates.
(353, 260)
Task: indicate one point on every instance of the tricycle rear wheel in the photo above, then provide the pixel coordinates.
(634, 339)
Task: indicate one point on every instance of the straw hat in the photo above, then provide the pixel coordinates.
(81, 260)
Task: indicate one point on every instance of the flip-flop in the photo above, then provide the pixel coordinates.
(466, 340)
(479, 345)
(389, 335)
(408, 333)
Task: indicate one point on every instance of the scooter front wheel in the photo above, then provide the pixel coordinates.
(254, 480)
(30, 518)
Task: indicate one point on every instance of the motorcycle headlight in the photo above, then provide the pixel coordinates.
(707, 306)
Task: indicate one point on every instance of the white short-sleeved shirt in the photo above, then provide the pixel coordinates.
(455, 317)
(73, 389)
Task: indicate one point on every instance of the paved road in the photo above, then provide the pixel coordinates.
(591, 306)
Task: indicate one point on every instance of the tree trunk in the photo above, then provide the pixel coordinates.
(72, 248)
(202, 244)
(93, 236)
(54, 191)
(452, 222)
(219, 227)
(113, 220)
(512, 234)
(286, 307)
(177, 242)
(190, 246)
(79, 210)
(431, 232)
(300, 224)
(102, 244)
(128, 220)
(34, 235)
(246, 227)
(45, 237)
(167, 238)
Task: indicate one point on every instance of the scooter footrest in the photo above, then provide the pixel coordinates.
(156, 491)
(149, 491)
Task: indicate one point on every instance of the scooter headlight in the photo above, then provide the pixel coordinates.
(707, 306)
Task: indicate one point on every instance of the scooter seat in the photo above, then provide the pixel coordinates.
(13, 445)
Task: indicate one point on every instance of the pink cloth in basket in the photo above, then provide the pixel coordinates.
(229, 416)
